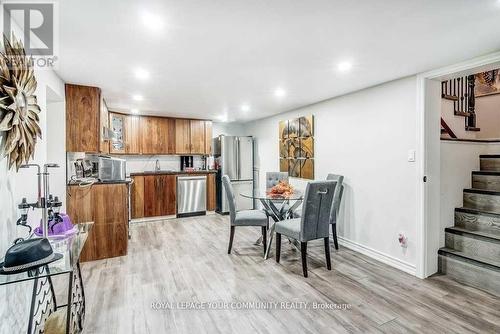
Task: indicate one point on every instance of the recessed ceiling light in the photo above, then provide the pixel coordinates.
(134, 111)
(344, 66)
(141, 74)
(245, 107)
(279, 92)
(222, 118)
(152, 21)
(137, 97)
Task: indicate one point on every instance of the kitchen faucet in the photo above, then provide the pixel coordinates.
(157, 165)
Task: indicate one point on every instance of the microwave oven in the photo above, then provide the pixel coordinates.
(107, 168)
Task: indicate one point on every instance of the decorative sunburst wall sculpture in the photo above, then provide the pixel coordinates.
(18, 105)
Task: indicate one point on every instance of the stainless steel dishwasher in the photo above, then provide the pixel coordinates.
(191, 195)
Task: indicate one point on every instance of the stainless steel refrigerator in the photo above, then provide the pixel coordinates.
(234, 156)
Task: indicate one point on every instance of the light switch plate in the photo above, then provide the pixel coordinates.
(411, 156)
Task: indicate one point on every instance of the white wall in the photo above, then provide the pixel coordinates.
(365, 136)
(228, 129)
(56, 148)
(487, 118)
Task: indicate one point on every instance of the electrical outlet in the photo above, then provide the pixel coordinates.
(411, 156)
(403, 240)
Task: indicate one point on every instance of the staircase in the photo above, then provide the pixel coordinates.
(461, 92)
(472, 247)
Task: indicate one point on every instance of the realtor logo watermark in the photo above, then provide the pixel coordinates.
(35, 23)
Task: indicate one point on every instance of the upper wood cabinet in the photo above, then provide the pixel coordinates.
(157, 135)
(128, 131)
(132, 134)
(166, 129)
(84, 119)
(104, 124)
(197, 136)
(182, 136)
(191, 136)
(208, 137)
(117, 124)
(87, 118)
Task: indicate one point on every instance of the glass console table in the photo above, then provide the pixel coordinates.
(43, 299)
(278, 207)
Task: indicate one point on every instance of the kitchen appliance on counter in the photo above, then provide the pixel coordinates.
(86, 167)
(186, 162)
(234, 157)
(191, 195)
(108, 168)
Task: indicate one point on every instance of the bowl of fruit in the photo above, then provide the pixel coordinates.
(282, 189)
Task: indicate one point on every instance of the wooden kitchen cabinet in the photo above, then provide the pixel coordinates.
(107, 206)
(182, 136)
(104, 124)
(211, 201)
(149, 139)
(128, 131)
(150, 190)
(197, 136)
(137, 197)
(191, 136)
(166, 129)
(132, 134)
(208, 137)
(159, 195)
(117, 124)
(167, 194)
(84, 119)
(157, 135)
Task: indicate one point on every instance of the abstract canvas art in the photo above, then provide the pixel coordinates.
(296, 147)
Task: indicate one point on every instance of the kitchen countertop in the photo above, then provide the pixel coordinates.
(170, 172)
(127, 180)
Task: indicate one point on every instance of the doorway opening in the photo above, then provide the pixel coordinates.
(451, 142)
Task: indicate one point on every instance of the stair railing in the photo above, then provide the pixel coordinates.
(447, 129)
(461, 92)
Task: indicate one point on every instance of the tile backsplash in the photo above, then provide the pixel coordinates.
(140, 163)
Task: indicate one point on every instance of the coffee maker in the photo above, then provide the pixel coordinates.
(186, 162)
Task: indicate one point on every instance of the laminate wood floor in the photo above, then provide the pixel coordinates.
(184, 262)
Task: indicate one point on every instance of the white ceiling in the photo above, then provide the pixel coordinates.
(212, 56)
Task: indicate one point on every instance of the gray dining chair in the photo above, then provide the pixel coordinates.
(314, 223)
(337, 200)
(243, 217)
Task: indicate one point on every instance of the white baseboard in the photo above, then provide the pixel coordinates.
(379, 256)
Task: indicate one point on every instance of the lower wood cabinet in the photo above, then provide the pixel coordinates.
(160, 195)
(137, 197)
(211, 192)
(107, 206)
(155, 195)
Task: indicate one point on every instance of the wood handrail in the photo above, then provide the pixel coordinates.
(461, 91)
(447, 128)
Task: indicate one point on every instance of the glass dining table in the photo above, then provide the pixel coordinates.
(278, 206)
